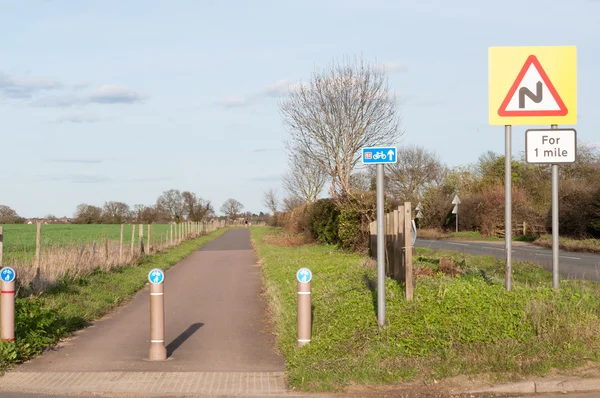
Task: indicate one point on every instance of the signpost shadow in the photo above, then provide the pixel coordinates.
(179, 340)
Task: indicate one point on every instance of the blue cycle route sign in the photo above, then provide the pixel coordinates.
(156, 276)
(379, 155)
(304, 275)
(7, 274)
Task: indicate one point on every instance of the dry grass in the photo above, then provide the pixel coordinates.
(288, 240)
(430, 233)
(56, 262)
(572, 245)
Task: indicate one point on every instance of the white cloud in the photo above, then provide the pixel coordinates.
(114, 94)
(265, 149)
(391, 67)
(232, 102)
(21, 87)
(279, 88)
(106, 94)
(80, 118)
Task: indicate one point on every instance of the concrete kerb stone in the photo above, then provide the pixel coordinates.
(544, 386)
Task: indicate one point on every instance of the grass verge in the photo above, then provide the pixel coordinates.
(462, 324)
(40, 321)
(568, 244)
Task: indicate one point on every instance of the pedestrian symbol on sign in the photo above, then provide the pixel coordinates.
(304, 275)
(156, 276)
(7, 274)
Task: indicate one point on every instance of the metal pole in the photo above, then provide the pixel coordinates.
(555, 243)
(456, 218)
(380, 247)
(508, 205)
(304, 313)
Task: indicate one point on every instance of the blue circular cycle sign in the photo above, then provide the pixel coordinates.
(7, 274)
(304, 275)
(156, 276)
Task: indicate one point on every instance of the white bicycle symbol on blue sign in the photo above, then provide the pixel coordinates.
(379, 155)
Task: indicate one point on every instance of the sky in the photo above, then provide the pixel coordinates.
(121, 100)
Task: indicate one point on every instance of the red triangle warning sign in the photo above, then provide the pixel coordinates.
(532, 94)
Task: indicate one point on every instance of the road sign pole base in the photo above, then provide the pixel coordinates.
(157, 352)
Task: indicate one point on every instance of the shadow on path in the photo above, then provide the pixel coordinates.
(179, 340)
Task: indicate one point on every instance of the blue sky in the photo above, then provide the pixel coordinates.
(121, 100)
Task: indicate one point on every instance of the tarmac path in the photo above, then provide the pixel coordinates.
(216, 334)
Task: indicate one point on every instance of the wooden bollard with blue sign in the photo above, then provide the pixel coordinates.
(7, 304)
(304, 277)
(158, 351)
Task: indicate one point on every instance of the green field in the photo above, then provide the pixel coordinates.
(19, 240)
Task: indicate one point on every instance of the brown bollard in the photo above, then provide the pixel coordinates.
(158, 351)
(304, 277)
(7, 304)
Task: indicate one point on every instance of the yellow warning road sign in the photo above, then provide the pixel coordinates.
(532, 85)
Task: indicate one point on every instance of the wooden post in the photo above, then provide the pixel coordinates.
(132, 239)
(171, 234)
(79, 259)
(373, 238)
(38, 249)
(148, 239)
(106, 252)
(1, 243)
(92, 255)
(121, 244)
(141, 235)
(408, 250)
(397, 246)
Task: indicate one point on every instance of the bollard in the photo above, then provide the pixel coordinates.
(158, 351)
(304, 276)
(7, 304)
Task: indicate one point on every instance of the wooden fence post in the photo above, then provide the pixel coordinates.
(38, 249)
(408, 246)
(141, 236)
(91, 262)
(148, 238)
(132, 239)
(106, 253)
(1, 243)
(121, 244)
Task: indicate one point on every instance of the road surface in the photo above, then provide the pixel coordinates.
(571, 265)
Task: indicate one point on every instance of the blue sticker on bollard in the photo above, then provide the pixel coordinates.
(304, 275)
(156, 276)
(7, 274)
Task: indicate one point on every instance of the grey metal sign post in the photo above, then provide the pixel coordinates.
(456, 202)
(380, 156)
(555, 146)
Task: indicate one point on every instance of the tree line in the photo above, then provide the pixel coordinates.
(172, 205)
(348, 105)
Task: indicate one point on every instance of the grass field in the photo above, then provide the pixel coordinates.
(19, 240)
(462, 321)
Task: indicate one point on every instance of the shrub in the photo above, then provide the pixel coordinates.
(356, 213)
(324, 221)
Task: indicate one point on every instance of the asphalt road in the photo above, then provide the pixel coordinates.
(571, 265)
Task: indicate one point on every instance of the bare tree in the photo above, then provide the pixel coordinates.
(305, 179)
(115, 212)
(291, 202)
(342, 109)
(9, 215)
(172, 202)
(87, 214)
(270, 200)
(232, 208)
(415, 171)
(196, 208)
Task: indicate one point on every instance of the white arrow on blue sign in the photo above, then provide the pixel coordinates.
(7, 274)
(378, 155)
(156, 276)
(304, 275)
